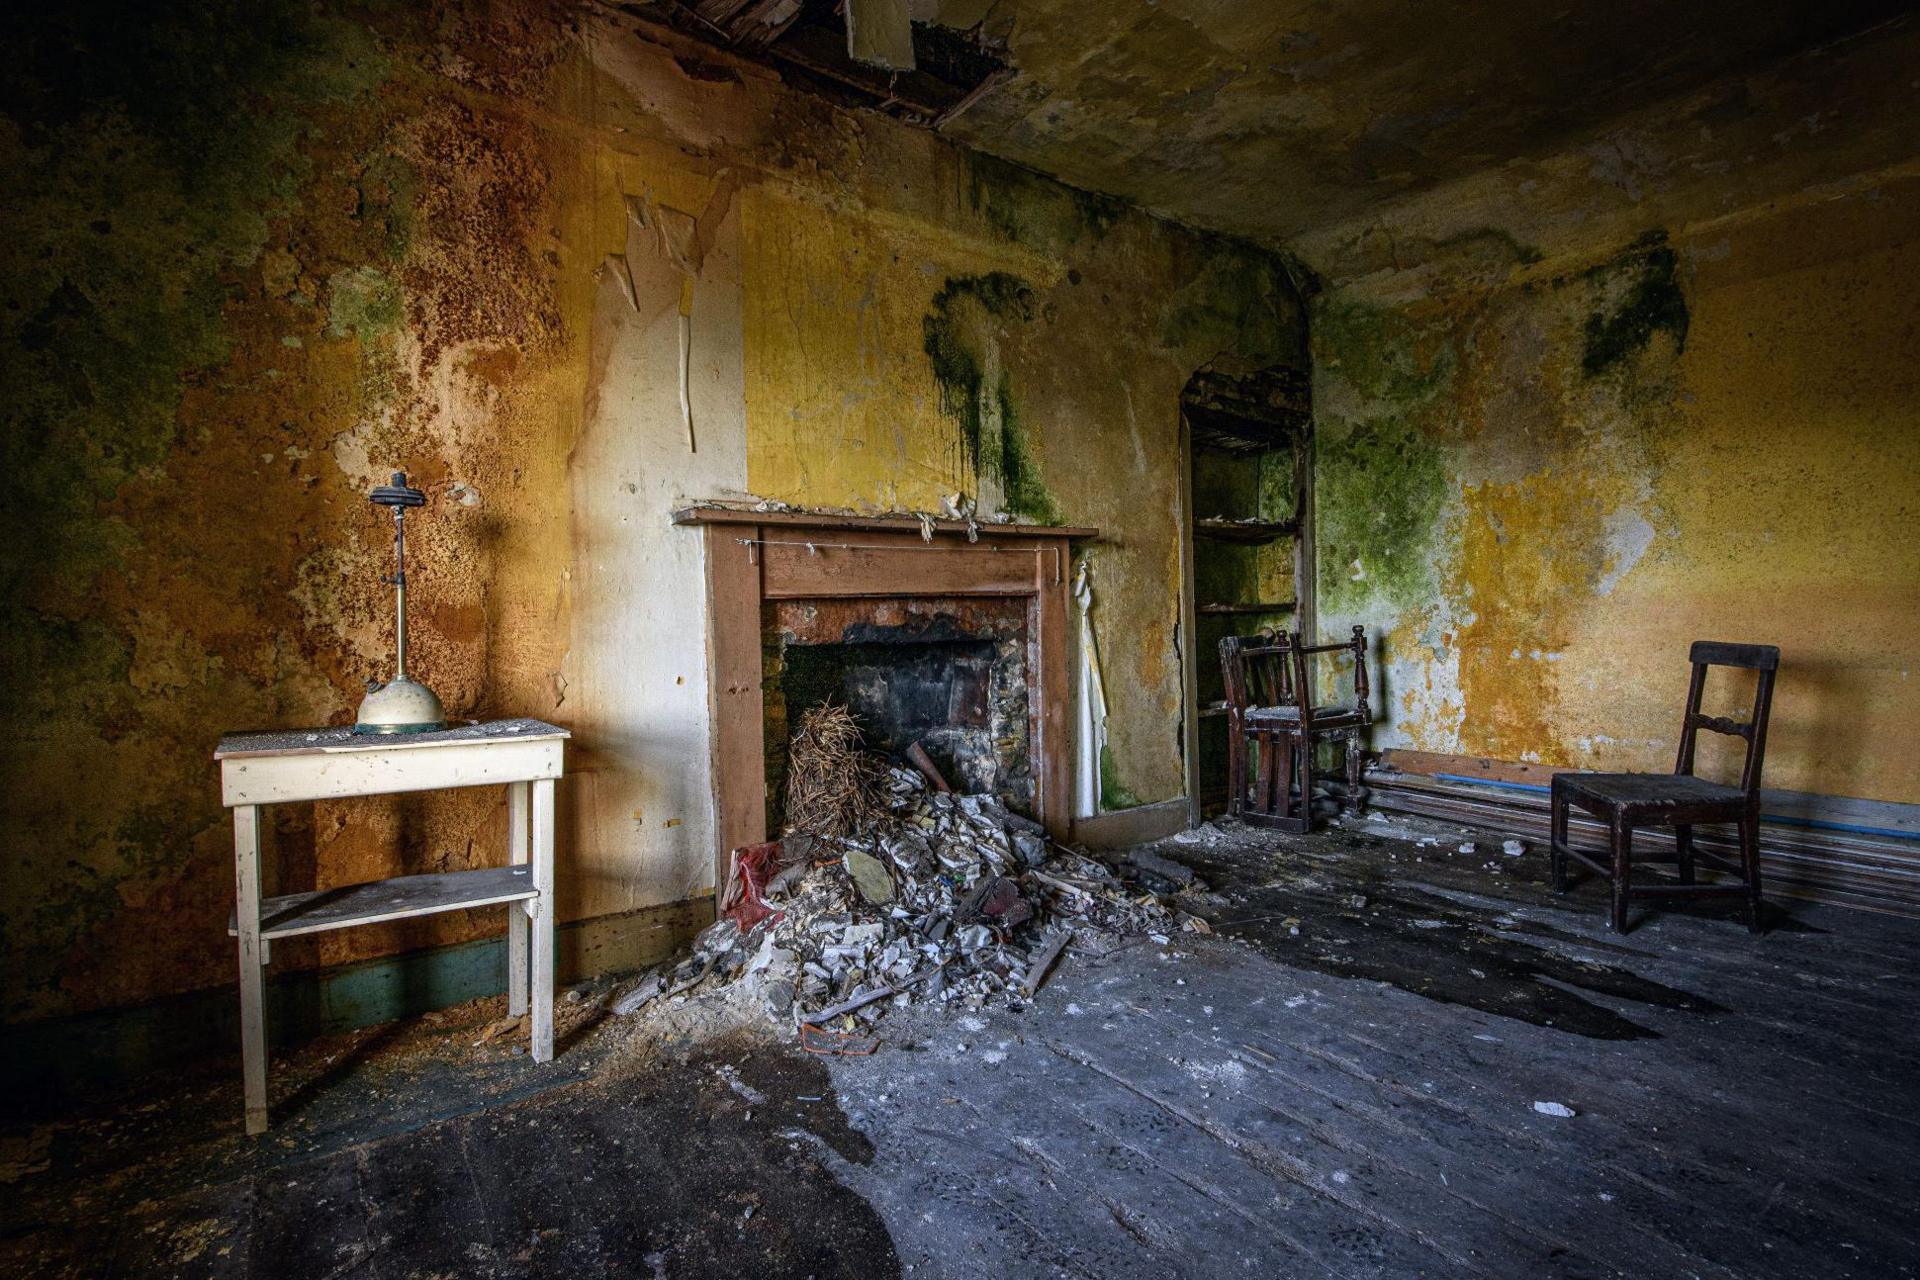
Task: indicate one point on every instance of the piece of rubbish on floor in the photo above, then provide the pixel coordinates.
(1161, 875)
(870, 876)
(1469, 847)
(503, 1027)
(750, 870)
(1513, 848)
(1559, 1109)
(639, 995)
(917, 756)
(836, 1044)
(1042, 962)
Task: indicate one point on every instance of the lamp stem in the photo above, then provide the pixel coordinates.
(400, 593)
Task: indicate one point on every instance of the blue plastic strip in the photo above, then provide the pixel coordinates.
(1780, 820)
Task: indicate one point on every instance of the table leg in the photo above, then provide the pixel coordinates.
(517, 957)
(253, 1023)
(543, 924)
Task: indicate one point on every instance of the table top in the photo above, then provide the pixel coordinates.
(300, 742)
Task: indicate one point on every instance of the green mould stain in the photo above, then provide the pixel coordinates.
(1380, 489)
(975, 390)
(1650, 301)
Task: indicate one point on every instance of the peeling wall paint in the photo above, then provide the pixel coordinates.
(321, 243)
(1536, 495)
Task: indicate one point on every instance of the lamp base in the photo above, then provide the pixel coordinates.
(400, 706)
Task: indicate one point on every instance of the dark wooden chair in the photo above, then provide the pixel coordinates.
(1626, 801)
(1274, 722)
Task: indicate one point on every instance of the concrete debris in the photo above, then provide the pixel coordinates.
(1559, 1109)
(1469, 847)
(945, 898)
(1513, 848)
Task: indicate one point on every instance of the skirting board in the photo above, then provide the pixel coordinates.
(1800, 856)
(1125, 827)
(43, 1061)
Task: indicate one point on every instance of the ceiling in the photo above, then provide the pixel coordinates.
(1271, 117)
(1305, 123)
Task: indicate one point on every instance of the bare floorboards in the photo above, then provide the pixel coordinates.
(1340, 1081)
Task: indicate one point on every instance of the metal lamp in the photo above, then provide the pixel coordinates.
(402, 704)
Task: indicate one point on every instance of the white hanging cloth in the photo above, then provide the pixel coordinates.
(1090, 729)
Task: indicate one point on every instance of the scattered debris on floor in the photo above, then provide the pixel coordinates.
(1560, 1109)
(887, 890)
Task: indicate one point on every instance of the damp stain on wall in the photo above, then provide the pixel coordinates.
(1381, 488)
(1644, 299)
(960, 338)
(1026, 207)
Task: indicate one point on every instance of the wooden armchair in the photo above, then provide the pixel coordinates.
(1625, 801)
(1272, 709)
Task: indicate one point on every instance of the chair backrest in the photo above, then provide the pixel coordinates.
(1356, 644)
(1257, 672)
(1763, 658)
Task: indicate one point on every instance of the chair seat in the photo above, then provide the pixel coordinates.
(1289, 717)
(1645, 792)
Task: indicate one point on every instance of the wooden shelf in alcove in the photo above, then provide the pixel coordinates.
(1252, 532)
(1270, 606)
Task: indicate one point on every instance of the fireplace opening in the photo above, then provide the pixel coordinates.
(950, 675)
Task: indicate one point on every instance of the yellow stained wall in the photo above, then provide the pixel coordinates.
(411, 250)
(1556, 534)
(841, 411)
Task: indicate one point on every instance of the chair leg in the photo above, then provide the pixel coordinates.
(1353, 773)
(1236, 770)
(1683, 850)
(1264, 800)
(1283, 775)
(1304, 746)
(1622, 871)
(1557, 839)
(1750, 861)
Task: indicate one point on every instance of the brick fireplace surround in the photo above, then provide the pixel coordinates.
(756, 558)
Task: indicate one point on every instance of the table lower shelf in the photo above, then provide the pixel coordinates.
(292, 914)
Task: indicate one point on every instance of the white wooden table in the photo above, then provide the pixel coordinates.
(285, 767)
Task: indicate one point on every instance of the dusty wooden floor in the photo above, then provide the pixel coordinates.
(1342, 1084)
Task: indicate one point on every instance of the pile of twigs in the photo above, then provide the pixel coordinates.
(834, 786)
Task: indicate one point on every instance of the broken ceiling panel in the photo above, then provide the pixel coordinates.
(879, 34)
(878, 54)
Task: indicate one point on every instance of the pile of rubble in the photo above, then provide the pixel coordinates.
(945, 898)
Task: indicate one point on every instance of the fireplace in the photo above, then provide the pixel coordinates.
(948, 673)
(952, 636)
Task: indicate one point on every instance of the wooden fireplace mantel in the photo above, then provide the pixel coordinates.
(754, 557)
(910, 524)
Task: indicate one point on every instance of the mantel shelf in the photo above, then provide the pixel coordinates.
(896, 524)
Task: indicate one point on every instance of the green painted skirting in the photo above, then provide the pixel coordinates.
(44, 1061)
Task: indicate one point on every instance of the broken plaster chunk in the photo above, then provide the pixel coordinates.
(1560, 1109)
(870, 876)
(1469, 847)
(1512, 848)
